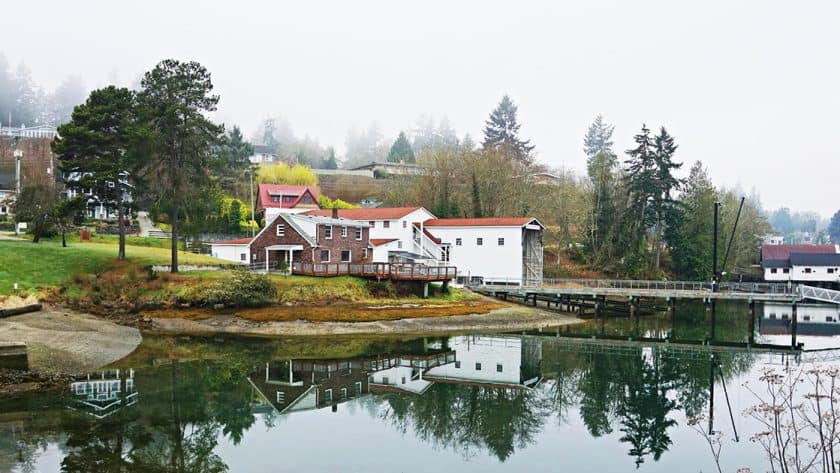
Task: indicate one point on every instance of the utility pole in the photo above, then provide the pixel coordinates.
(251, 181)
(715, 249)
(18, 154)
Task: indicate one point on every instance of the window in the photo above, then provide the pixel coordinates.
(807, 270)
(364, 253)
(403, 380)
(325, 256)
(358, 233)
(327, 396)
(281, 397)
(457, 242)
(343, 232)
(499, 367)
(444, 254)
(343, 393)
(830, 270)
(386, 224)
(287, 199)
(372, 224)
(405, 224)
(345, 256)
(328, 232)
(786, 270)
(458, 364)
(478, 366)
(307, 199)
(358, 387)
(479, 241)
(281, 230)
(275, 198)
(806, 318)
(243, 257)
(772, 270)
(501, 242)
(399, 243)
(254, 257)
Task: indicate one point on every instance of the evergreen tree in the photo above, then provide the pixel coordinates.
(476, 198)
(401, 151)
(330, 162)
(95, 147)
(175, 98)
(690, 237)
(666, 183)
(598, 138)
(501, 130)
(834, 227)
(234, 215)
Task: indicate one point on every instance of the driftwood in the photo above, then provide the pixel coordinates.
(19, 310)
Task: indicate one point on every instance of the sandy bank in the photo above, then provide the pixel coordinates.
(507, 319)
(62, 341)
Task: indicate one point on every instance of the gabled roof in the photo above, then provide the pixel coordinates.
(238, 241)
(481, 222)
(815, 259)
(783, 252)
(378, 213)
(381, 241)
(268, 190)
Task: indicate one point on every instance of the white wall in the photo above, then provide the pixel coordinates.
(491, 261)
(817, 274)
(231, 252)
(380, 253)
(778, 276)
(804, 312)
(490, 352)
(395, 376)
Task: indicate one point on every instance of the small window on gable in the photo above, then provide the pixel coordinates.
(405, 224)
(830, 270)
(386, 224)
(458, 242)
(807, 270)
(281, 397)
(399, 243)
(478, 366)
(343, 232)
(358, 233)
(328, 232)
(457, 364)
(281, 230)
(499, 367)
(479, 241)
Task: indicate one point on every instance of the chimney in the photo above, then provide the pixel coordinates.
(335, 212)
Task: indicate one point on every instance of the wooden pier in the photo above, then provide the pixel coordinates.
(379, 271)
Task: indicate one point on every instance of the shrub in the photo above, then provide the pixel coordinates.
(382, 289)
(241, 288)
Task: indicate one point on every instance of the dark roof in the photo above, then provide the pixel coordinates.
(776, 263)
(782, 252)
(815, 259)
(263, 149)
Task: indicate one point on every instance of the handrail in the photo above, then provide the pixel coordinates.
(406, 271)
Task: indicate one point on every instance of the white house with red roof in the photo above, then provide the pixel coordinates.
(238, 250)
(274, 199)
(801, 264)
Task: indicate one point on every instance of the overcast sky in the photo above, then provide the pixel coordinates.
(748, 87)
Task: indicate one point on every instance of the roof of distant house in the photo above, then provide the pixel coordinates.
(481, 222)
(377, 213)
(783, 252)
(263, 149)
(238, 241)
(266, 191)
(381, 241)
(815, 259)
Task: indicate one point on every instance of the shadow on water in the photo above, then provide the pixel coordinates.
(172, 404)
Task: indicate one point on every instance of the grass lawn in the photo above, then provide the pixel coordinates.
(47, 264)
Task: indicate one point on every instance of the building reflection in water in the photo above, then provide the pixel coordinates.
(104, 393)
(812, 319)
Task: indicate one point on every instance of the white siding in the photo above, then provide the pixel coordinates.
(380, 253)
(231, 252)
(492, 262)
(490, 352)
(816, 274)
(779, 276)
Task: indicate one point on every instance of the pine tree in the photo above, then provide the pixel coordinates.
(690, 235)
(501, 130)
(598, 138)
(330, 162)
(401, 151)
(666, 183)
(641, 174)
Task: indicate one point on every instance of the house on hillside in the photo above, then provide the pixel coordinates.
(263, 155)
(806, 264)
(274, 199)
(298, 238)
(493, 250)
(96, 205)
(385, 169)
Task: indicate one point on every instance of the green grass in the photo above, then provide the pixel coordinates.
(44, 265)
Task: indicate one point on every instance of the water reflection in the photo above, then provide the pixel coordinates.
(477, 396)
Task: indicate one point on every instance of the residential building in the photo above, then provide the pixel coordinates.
(40, 131)
(491, 360)
(298, 238)
(263, 155)
(494, 250)
(773, 239)
(7, 199)
(808, 264)
(384, 169)
(97, 207)
(276, 199)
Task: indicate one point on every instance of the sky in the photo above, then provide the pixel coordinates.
(749, 87)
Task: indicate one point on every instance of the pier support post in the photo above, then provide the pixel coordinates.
(751, 335)
(793, 326)
(425, 290)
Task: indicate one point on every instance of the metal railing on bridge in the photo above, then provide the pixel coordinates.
(696, 286)
(819, 294)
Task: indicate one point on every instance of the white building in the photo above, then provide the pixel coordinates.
(494, 360)
(237, 251)
(772, 239)
(493, 250)
(7, 199)
(263, 155)
(801, 263)
(96, 207)
(276, 199)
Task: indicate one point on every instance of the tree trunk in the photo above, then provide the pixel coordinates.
(174, 222)
(656, 240)
(63, 237)
(121, 225)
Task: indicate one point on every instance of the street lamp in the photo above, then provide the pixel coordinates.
(18, 154)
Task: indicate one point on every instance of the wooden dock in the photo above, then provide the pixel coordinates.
(379, 271)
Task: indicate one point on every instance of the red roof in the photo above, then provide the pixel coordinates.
(479, 222)
(381, 241)
(384, 213)
(238, 241)
(428, 235)
(782, 252)
(297, 193)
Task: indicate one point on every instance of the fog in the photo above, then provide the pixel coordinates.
(748, 87)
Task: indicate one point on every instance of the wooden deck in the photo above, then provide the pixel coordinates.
(392, 271)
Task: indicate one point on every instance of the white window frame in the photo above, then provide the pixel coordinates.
(321, 256)
(359, 233)
(328, 232)
(281, 230)
(349, 256)
(386, 224)
(405, 224)
(372, 224)
(243, 257)
(344, 231)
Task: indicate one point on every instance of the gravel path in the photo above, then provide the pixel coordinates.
(69, 342)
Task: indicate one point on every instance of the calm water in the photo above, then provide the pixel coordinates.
(549, 401)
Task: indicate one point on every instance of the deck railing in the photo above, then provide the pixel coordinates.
(396, 271)
(753, 288)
